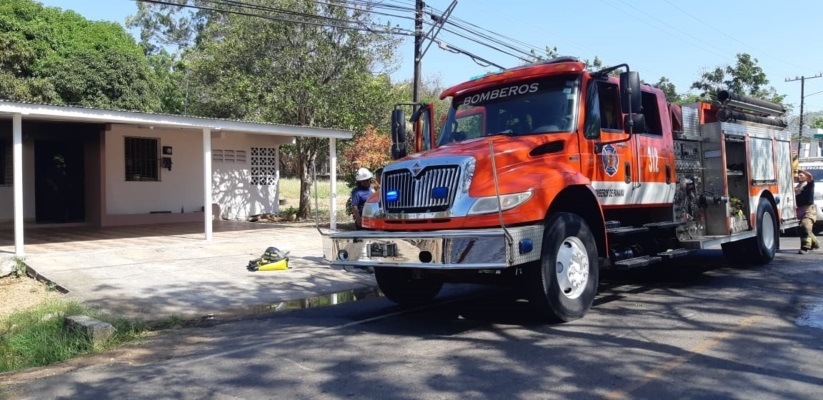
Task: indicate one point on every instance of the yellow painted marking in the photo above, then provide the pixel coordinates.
(700, 348)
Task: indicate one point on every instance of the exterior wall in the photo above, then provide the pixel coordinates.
(235, 196)
(111, 200)
(180, 187)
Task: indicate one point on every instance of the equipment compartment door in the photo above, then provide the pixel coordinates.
(785, 182)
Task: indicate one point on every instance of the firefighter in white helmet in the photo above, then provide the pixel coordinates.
(361, 192)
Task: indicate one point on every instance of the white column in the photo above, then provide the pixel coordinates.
(333, 181)
(17, 150)
(207, 215)
(277, 179)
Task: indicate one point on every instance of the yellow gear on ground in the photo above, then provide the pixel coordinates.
(275, 266)
(272, 260)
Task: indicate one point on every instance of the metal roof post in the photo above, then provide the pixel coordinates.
(333, 182)
(17, 134)
(277, 180)
(207, 212)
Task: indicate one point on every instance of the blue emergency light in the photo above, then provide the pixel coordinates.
(392, 196)
(440, 192)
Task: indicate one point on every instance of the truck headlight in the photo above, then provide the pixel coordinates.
(468, 175)
(371, 210)
(486, 205)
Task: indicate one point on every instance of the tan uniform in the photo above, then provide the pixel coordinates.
(807, 214)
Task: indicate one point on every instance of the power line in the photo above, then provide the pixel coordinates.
(474, 33)
(537, 27)
(718, 51)
(802, 80)
(346, 24)
(491, 46)
(494, 37)
(669, 2)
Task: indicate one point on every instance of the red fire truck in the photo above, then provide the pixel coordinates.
(543, 174)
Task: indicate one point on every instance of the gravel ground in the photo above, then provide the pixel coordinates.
(22, 293)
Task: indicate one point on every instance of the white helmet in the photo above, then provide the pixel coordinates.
(363, 174)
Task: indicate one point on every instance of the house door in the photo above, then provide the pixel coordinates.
(59, 182)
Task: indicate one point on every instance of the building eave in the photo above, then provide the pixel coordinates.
(92, 115)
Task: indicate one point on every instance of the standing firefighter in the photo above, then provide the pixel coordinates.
(804, 194)
(359, 195)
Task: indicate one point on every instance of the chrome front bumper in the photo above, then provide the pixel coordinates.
(452, 249)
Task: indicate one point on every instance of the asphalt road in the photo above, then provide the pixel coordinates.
(701, 333)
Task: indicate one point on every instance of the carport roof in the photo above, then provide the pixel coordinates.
(94, 115)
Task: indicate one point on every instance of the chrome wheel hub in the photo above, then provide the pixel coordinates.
(768, 230)
(572, 267)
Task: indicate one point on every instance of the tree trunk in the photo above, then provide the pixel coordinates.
(306, 154)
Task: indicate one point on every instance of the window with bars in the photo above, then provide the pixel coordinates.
(142, 159)
(263, 166)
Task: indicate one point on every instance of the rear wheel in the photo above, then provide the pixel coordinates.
(563, 284)
(760, 249)
(406, 288)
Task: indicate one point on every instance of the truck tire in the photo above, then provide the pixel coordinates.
(760, 249)
(400, 286)
(562, 285)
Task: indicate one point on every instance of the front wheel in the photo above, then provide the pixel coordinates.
(401, 286)
(563, 284)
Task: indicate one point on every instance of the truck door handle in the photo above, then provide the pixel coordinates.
(668, 174)
(628, 172)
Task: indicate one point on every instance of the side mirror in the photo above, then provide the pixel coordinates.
(398, 134)
(423, 121)
(637, 122)
(416, 115)
(630, 92)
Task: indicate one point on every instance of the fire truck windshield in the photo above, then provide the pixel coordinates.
(521, 108)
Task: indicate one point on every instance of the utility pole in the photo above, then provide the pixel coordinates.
(802, 80)
(418, 46)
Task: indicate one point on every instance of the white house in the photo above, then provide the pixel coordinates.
(106, 168)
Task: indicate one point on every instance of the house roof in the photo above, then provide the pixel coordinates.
(94, 115)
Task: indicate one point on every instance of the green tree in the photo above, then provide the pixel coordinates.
(551, 52)
(668, 89)
(547, 54)
(370, 149)
(169, 26)
(52, 56)
(300, 73)
(170, 77)
(818, 123)
(745, 77)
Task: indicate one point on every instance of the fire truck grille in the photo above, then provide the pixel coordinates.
(432, 190)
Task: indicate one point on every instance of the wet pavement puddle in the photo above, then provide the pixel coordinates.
(326, 300)
(323, 301)
(812, 317)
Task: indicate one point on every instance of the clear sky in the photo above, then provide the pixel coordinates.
(673, 38)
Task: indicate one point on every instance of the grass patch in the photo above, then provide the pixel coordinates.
(290, 191)
(290, 188)
(36, 337)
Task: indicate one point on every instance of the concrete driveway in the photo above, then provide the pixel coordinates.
(155, 271)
